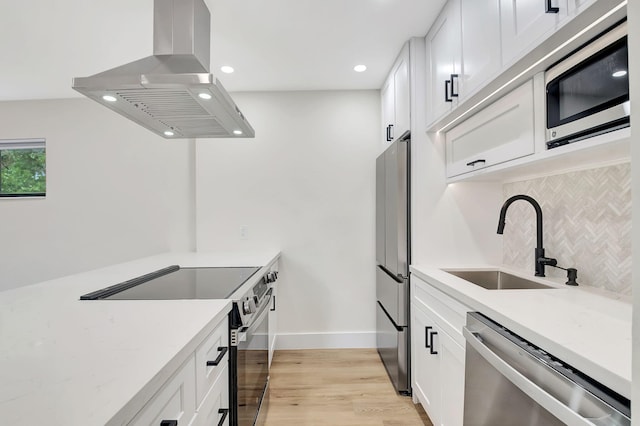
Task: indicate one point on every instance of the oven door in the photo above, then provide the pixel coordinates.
(253, 367)
(588, 92)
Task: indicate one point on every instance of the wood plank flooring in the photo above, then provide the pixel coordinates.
(346, 387)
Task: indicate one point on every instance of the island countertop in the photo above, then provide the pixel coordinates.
(64, 361)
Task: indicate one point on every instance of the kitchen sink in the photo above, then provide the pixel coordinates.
(497, 280)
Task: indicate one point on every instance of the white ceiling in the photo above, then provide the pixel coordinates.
(272, 44)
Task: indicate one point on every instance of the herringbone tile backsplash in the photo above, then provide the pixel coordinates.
(587, 225)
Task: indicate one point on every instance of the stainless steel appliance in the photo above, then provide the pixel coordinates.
(511, 382)
(172, 92)
(588, 92)
(248, 323)
(392, 258)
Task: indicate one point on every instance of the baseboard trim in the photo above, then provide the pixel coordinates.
(347, 340)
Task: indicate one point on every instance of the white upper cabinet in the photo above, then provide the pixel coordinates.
(443, 62)
(396, 99)
(480, 44)
(526, 23)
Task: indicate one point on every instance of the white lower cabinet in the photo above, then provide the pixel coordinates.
(273, 322)
(198, 392)
(437, 353)
(501, 132)
(176, 401)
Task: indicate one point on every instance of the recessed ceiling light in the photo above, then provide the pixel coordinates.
(237, 132)
(620, 73)
(204, 95)
(109, 98)
(360, 68)
(226, 69)
(168, 133)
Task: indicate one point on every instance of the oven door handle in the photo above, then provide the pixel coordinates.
(257, 319)
(546, 400)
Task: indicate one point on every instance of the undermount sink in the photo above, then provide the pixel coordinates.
(497, 280)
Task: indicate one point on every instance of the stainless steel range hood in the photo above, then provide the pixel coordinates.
(172, 92)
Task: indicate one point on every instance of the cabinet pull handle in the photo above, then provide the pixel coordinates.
(223, 350)
(446, 91)
(390, 138)
(426, 337)
(273, 308)
(225, 413)
(453, 94)
(474, 162)
(432, 350)
(389, 133)
(169, 423)
(551, 9)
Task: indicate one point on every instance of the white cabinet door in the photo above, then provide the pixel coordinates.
(273, 322)
(175, 401)
(526, 23)
(215, 405)
(577, 6)
(452, 380)
(388, 110)
(480, 44)
(425, 363)
(501, 132)
(402, 92)
(396, 99)
(443, 62)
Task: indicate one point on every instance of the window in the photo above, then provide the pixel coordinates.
(22, 168)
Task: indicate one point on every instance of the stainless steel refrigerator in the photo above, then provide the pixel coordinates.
(392, 258)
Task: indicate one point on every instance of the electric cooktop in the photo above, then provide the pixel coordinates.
(175, 282)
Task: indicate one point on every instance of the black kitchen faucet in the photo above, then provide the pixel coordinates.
(540, 260)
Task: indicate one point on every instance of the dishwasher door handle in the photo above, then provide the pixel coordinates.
(535, 392)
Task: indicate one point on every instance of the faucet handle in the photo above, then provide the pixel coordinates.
(549, 261)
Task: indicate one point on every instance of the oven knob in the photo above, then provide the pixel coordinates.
(255, 300)
(246, 307)
(265, 279)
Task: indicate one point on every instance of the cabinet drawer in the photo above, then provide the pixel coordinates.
(215, 405)
(501, 132)
(450, 314)
(216, 345)
(175, 401)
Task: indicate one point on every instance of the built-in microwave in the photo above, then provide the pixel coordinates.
(588, 92)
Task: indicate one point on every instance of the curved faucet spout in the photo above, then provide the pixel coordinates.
(540, 259)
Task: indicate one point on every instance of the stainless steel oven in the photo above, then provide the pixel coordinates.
(249, 332)
(511, 382)
(587, 93)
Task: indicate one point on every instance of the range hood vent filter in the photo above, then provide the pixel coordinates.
(172, 92)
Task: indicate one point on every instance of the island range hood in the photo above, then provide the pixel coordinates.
(172, 93)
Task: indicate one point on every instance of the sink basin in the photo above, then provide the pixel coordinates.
(498, 280)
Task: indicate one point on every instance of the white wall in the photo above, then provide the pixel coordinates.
(115, 192)
(304, 185)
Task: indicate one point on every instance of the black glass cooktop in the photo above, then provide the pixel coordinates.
(174, 282)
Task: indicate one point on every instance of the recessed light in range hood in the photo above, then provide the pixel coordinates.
(172, 92)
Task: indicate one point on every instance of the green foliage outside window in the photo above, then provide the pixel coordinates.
(22, 172)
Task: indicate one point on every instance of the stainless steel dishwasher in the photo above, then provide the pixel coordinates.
(510, 382)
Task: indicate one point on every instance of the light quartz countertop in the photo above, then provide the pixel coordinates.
(587, 328)
(69, 362)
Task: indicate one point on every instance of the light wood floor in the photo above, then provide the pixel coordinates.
(346, 387)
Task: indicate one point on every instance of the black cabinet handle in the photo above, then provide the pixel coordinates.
(432, 350)
(446, 91)
(273, 308)
(390, 137)
(453, 94)
(426, 337)
(474, 162)
(551, 9)
(223, 350)
(169, 423)
(225, 413)
(389, 133)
